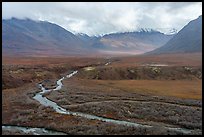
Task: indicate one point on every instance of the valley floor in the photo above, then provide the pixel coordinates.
(158, 99)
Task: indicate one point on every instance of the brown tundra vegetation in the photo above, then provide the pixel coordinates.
(162, 91)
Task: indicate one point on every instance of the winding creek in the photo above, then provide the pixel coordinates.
(48, 103)
(34, 131)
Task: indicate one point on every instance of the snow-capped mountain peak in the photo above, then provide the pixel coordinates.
(146, 30)
(168, 31)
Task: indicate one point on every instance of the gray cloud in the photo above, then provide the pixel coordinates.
(106, 17)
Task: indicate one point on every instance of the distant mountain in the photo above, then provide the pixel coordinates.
(88, 40)
(138, 42)
(170, 31)
(38, 37)
(167, 31)
(84, 37)
(29, 37)
(188, 39)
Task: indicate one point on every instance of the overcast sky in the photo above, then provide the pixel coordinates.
(106, 17)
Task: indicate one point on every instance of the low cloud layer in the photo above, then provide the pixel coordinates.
(106, 17)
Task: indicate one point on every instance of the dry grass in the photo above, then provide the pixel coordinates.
(18, 107)
(19, 71)
(50, 61)
(187, 59)
(177, 88)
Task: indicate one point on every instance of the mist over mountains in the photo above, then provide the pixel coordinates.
(31, 37)
(187, 40)
(137, 42)
(28, 37)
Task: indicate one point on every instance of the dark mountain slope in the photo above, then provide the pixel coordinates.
(188, 39)
(32, 37)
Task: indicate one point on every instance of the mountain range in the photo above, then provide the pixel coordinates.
(29, 37)
(132, 42)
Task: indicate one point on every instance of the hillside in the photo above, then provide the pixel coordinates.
(187, 40)
(134, 42)
(33, 38)
(38, 37)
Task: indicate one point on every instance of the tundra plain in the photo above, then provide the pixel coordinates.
(158, 90)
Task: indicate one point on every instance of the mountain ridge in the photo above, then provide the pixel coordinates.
(188, 39)
(25, 36)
